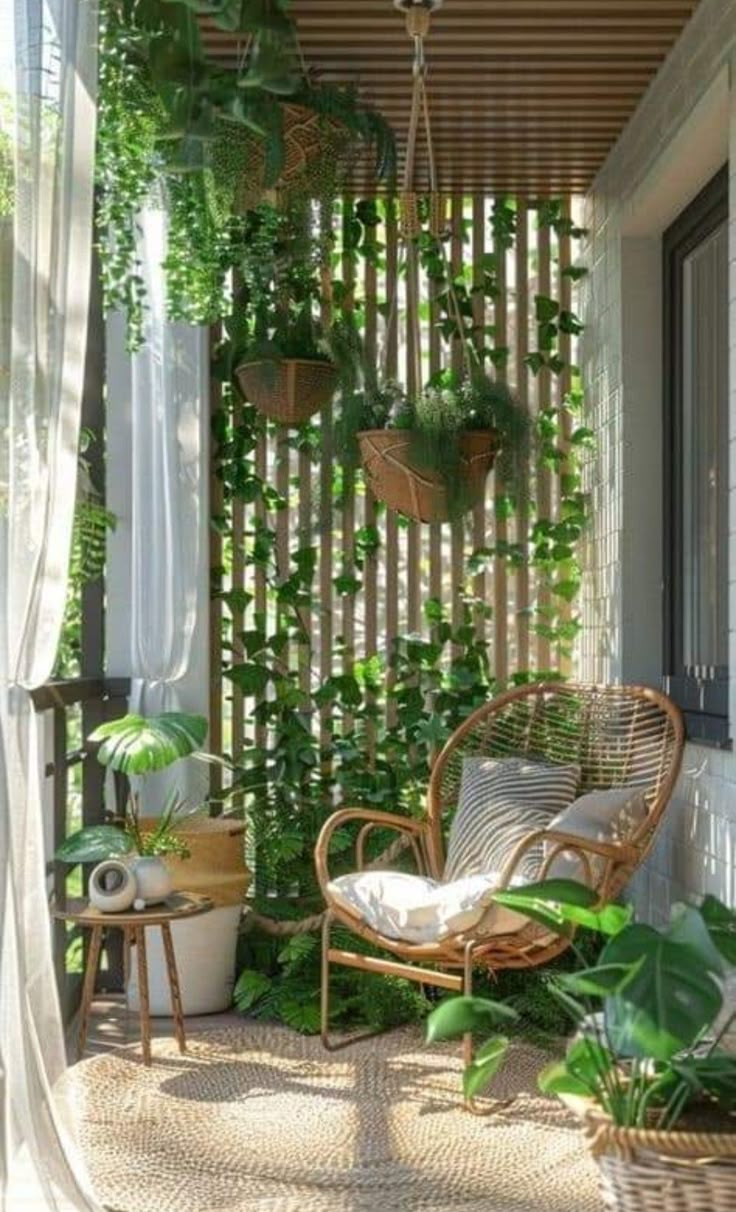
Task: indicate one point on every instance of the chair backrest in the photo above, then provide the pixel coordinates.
(619, 735)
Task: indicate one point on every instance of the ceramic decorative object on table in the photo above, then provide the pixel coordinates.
(152, 877)
(112, 886)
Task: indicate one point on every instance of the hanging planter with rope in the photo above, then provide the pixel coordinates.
(290, 390)
(290, 346)
(306, 142)
(431, 461)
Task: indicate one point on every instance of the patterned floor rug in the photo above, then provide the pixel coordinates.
(259, 1119)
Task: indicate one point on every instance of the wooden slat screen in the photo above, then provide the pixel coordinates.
(413, 562)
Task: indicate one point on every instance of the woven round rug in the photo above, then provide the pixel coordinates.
(257, 1118)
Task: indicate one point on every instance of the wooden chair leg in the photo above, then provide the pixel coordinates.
(127, 931)
(145, 1011)
(88, 990)
(174, 989)
(330, 1044)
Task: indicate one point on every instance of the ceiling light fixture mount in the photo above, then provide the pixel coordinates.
(406, 5)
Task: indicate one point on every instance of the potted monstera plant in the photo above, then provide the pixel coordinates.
(182, 849)
(141, 746)
(648, 1070)
(429, 456)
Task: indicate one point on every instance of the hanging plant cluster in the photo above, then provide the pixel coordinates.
(207, 142)
(428, 457)
(286, 347)
(427, 452)
(367, 730)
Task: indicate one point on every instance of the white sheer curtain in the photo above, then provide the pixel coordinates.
(168, 388)
(50, 74)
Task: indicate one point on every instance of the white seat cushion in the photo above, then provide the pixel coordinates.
(501, 801)
(419, 910)
(608, 815)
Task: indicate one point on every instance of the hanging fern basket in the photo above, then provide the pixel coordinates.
(396, 478)
(289, 391)
(308, 137)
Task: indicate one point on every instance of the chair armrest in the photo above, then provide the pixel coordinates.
(615, 852)
(374, 819)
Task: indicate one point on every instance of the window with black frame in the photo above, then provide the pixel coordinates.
(696, 462)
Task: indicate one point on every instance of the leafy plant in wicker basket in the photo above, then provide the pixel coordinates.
(134, 745)
(646, 1070)
(287, 360)
(429, 457)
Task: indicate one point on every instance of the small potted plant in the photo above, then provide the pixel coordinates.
(429, 457)
(647, 1071)
(286, 358)
(135, 745)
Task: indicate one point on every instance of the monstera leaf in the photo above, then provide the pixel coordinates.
(671, 996)
(94, 844)
(138, 745)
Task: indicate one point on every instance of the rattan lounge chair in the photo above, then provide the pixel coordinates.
(619, 735)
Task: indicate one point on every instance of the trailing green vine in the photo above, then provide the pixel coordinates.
(92, 525)
(383, 718)
(205, 143)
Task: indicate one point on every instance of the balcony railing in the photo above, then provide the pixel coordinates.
(75, 796)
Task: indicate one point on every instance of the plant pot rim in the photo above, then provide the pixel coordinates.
(606, 1136)
(463, 433)
(321, 361)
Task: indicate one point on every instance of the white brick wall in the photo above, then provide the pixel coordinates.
(677, 139)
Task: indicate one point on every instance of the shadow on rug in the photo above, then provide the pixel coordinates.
(259, 1119)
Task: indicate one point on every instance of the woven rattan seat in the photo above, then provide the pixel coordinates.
(620, 736)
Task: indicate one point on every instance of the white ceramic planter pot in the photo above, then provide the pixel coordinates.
(205, 945)
(153, 879)
(205, 960)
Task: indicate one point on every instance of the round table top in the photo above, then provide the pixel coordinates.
(178, 905)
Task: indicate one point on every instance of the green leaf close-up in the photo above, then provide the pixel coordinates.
(144, 745)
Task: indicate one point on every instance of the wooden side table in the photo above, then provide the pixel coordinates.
(134, 924)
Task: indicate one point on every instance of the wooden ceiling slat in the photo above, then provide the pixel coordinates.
(526, 95)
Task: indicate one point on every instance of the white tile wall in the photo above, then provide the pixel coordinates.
(621, 598)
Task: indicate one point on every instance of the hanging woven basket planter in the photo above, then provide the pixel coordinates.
(395, 477)
(640, 1169)
(289, 391)
(307, 137)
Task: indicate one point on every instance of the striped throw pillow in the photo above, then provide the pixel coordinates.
(501, 801)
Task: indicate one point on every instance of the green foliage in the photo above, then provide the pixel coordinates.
(460, 1014)
(646, 1057)
(93, 844)
(204, 142)
(280, 979)
(136, 744)
(7, 166)
(92, 525)
(367, 734)
(277, 311)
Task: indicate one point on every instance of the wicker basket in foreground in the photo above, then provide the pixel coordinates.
(394, 478)
(290, 391)
(643, 1170)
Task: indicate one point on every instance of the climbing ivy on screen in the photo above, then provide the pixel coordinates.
(367, 733)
